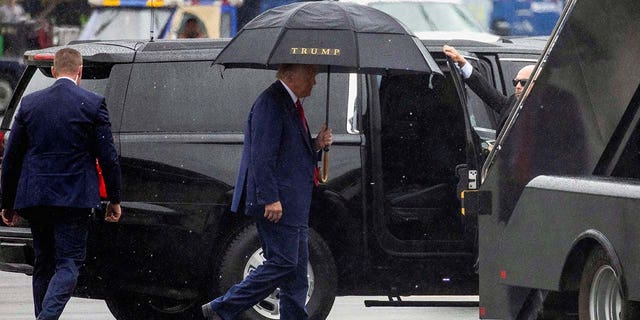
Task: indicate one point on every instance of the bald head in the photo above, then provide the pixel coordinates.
(523, 74)
(67, 62)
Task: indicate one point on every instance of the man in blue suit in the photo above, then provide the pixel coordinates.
(277, 174)
(49, 176)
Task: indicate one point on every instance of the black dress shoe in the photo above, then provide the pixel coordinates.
(209, 314)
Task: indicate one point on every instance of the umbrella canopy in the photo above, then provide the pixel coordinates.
(348, 37)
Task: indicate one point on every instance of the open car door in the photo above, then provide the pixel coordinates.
(468, 173)
(423, 155)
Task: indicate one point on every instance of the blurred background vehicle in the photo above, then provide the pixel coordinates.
(525, 17)
(33, 24)
(134, 19)
(434, 19)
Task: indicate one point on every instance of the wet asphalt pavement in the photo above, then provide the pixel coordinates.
(16, 304)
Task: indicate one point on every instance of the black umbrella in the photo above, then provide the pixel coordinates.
(341, 36)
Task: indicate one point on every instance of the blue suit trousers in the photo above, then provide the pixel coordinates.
(286, 249)
(59, 243)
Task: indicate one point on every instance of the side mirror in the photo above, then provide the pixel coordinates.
(6, 90)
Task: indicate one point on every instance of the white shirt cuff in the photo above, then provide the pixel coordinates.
(467, 69)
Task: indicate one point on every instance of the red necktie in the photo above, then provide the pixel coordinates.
(301, 114)
(304, 124)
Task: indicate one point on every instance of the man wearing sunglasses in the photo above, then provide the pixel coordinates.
(481, 86)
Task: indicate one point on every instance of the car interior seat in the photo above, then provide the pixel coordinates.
(423, 141)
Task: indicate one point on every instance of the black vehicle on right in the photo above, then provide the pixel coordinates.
(558, 205)
(387, 222)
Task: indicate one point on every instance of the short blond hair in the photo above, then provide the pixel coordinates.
(67, 60)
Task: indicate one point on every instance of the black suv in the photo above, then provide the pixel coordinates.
(388, 221)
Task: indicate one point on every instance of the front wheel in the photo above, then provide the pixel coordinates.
(600, 296)
(244, 254)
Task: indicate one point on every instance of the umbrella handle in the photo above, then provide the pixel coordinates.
(325, 167)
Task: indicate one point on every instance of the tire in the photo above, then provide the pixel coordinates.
(244, 253)
(600, 296)
(130, 306)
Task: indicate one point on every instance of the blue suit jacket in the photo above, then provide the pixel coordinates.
(278, 159)
(50, 158)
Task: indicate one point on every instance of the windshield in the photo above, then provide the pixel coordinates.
(125, 23)
(430, 16)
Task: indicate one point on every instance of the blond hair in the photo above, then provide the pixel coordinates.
(67, 61)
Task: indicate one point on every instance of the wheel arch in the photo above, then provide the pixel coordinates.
(223, 228)
(584, 244)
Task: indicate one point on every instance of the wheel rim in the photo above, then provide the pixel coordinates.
(605, 298)
(270, 307)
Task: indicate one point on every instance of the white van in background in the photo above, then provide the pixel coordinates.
(136, 19)
(434, 19)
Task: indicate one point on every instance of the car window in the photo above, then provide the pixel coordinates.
(483, 118)
(42, 78)
(479, 112)
(192, 27)
(430, 16)
(315, 105)
(510, 68)
(94, 78)
(199, 97)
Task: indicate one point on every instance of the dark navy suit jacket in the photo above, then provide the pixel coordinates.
(50, 158)
(278, 159)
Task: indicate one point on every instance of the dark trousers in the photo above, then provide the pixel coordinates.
(286, 250)
(59, 244)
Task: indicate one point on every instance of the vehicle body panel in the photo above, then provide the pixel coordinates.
(573, 121)
(570, 209)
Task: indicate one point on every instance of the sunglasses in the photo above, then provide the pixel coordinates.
(522, 82)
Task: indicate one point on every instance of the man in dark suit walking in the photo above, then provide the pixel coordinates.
(277, 174)
(488, 93)
(49, 176)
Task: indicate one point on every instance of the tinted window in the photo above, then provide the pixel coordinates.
(198, 97)
(482, 116)
(315, 105)
(510, 68)
(96, 81)
(94, 78)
